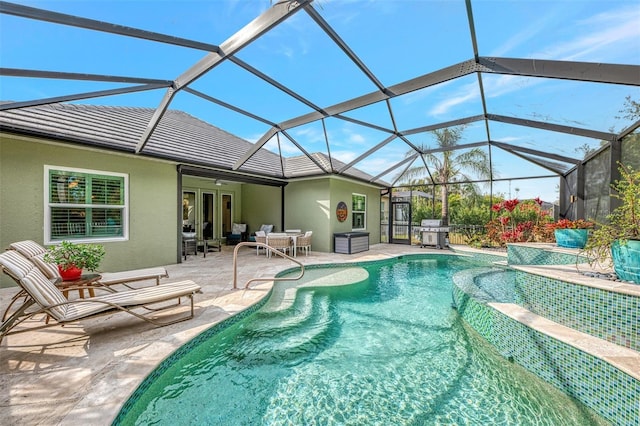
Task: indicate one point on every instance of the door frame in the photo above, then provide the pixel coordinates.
(392, 224)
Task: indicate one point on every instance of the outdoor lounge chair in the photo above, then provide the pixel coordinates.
(43, 297)
(238, 233)
(35, 253)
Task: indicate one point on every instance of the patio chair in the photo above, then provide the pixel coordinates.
(278, 241)
(43, 297)
(238, 233)
(304, 242)
(35, 253)
(260, 237)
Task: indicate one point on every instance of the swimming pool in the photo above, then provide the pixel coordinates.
(387, 350)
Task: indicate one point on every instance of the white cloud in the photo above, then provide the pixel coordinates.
(596, 44)
(310, 135)
(466, 93)
(344, 155)
(288, 149)
(600, 35)
(356, 138)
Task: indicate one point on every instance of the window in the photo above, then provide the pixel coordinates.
(85, 205)
(358, 211)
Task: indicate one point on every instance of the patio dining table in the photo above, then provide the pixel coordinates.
(293, 235)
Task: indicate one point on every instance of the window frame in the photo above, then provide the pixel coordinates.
(48, 205)
(354, 212)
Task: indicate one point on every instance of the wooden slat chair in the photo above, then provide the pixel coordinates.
(43, 297)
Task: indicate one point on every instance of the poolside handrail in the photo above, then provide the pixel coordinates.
(272, 250)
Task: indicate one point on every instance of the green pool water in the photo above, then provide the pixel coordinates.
(389, 350)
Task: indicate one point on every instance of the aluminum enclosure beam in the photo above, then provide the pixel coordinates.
(304, 151)
(254, 29)
(15, 72)
(578, 71)
(228, 106)
(553, 127)
(256, 146)
(91, 24)
(561, 158)
(262, 24)
(427, 80)
(395, 166)
(443, 125)
(366, 154)
(344, 46)
(79, 96)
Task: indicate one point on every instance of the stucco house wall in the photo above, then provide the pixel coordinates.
(152, 199)
(262, 205)
(307, 208)
(342, 190)
(310, 205)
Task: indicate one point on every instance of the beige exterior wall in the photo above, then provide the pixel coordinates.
(342, 190)
(311, 206)
(307, 206)
(152, 199)
(262, 206)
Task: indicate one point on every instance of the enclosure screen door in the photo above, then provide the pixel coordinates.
(400, 222)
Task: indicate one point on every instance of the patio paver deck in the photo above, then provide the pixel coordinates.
(82, 373)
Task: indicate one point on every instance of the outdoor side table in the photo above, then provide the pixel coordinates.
(209, 245)
(83, 281)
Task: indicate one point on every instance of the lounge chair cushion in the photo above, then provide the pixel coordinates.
(141, 296)
(238, 228)
(111, 278)
(28, 248)
(266, 228)
(17, 265)
(49, 269)
(40, 287)
(45, 293)
(35, 252)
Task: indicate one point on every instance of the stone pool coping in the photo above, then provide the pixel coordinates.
(624, 359)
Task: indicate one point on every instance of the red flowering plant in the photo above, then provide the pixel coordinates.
(570, 224)
(518, 222)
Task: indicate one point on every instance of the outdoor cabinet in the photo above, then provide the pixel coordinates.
(350, 242)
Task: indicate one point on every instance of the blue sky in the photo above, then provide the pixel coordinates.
(397, 40)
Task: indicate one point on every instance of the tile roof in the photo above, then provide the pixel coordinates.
(179, 136)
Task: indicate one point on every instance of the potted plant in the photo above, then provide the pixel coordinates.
(618, 240)
(571, 233)
(72, 258)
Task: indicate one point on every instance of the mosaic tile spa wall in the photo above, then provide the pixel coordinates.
(600, 386)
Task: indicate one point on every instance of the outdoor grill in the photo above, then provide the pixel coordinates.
(432, 233)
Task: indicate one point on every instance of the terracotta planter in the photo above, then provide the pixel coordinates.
(70, 274)
(571, 238)
(626, 260)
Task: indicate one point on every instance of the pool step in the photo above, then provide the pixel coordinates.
(487, 284)
(300, 311)
(288, 337)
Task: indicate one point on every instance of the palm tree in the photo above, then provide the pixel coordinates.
(450, 166)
